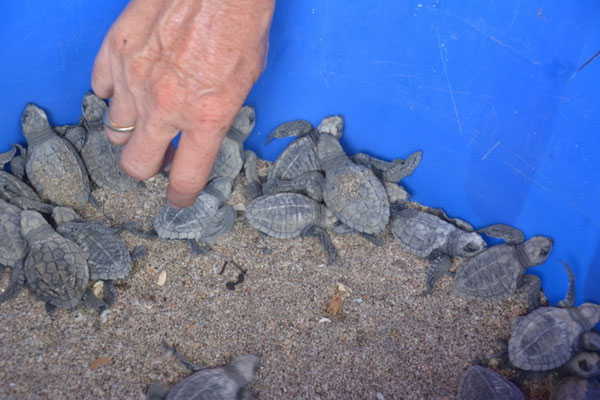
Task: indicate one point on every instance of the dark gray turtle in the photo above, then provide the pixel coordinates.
(585, 364)
(223, 383)
(101, 156)
(497, 272)
(74, 133)
(107, 256)
(480, 383)
(230, 158)
(352, 192)
(13, 249)
(55, 268)
(390, 171)
(53, 165)
(572, 388)
(428, 236)
(205, 220)
(548, 337)
(294, 128)
(308, 183)
(288, 215)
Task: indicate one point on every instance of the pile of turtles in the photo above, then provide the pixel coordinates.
(313, 189)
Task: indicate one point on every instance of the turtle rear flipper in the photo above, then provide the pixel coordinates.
(15, 282)
(325, 240)
(197, 249)
(505, 232)
(569, 300)
(439, 266)
(221, 224)
(189, 365)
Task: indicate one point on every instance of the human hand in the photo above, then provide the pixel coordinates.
(177, 65)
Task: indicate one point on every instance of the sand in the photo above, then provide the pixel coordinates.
(386, 343)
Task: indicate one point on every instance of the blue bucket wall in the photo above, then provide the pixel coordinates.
(489, 91)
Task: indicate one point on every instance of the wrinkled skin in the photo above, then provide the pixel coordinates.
(176, 65)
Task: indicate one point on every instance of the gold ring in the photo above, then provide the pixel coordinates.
(114, 127)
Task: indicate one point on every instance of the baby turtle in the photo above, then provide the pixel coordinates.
(572, 388)
(52, 163)
(352, 192)
(428, 236)
(223, 383)
(107, 256)
(205, 220)
(390, 171)
(55, 267)
(288, 215)
(230, 158)
(101, 156)
(480, 383)
(13, 249)
(497, 272)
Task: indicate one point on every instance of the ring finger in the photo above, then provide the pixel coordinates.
(121, 114)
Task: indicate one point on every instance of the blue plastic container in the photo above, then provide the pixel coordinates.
(489, 90)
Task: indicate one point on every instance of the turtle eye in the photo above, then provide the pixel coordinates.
(469, 248)
(544, 252)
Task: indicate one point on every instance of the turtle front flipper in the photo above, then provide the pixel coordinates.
(15, 283)
(440, 265)
(325, 240)
(17, 164)
(569, 300)
(294, 128)
(505, 232)
(189, 365)
(6, 157)
(138, 252)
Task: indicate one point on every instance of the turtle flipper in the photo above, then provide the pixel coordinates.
(191, 366)
(157, 391)
(25, 203)
(325, 240)
(372, 238)
(294, 128)
(6, 157)
(17, 164)
(502, 231)
(109, 293)
(196, 249)
(532, 285)
(457, 222)
(15, 283)
(138, 252)
(90, 300)
(440, 264)
(590, 341)
(400, 169)
(569, 300)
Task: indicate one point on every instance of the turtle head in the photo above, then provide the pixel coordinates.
(32, 221)
(36, 127)
(467, 244)
(591, 312)
(62, 215)
(537, 249)
(330, 152)
(333, 126)
(245, 367)
(243, 124)
(92, 107)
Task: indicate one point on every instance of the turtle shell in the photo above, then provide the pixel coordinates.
(283, 215)
(12, 245)
(544, 339)
(107, 255)
(187, 223)
(492, 274)
(229, 160)
(299, 156)
(420, 233)
(483, 383)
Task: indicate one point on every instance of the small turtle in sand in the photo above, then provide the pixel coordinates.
(300, 156)
(480, 383)
(205, 220)
(585, 364)
(52, 163)
(390, 171)
(497, 272)
(352, 192)
(572, 388)
(74, 133)
(13, 249)
(230, 158)
(429, 236)
(223, 383)
(548, 337)
(55, 267)
(106, 254)
(288, 215)
(101, 156)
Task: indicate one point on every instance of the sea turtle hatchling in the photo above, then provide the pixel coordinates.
(390, 171)
(52, 163)
(428, 236)
(230, 158)
(289, 215)
(205, 220)
(101, 156)
(352, 192)
(224, 383)
(106, 254)
(481, 383)
(498, 271)
(55, 267)
(548, 337)
(13, 249)
(573, 388)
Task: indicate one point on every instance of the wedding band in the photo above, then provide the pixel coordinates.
(114, 127)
